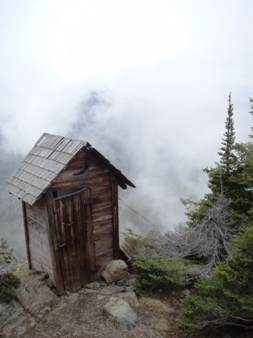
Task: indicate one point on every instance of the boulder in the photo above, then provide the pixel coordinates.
(114, 271)
(120, 311)
(129, 297)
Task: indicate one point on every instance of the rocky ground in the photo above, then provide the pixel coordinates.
(39, 312)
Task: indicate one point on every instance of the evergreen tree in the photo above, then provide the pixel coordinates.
(220, 176)
(227, 297)
(233, 174)
(242, 183)
(232, 177)
(251, 112)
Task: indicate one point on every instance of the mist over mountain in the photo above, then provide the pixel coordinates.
(145, 83)
(11, 219)
(160, 174)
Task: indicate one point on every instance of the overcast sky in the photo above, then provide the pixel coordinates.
(145, 82)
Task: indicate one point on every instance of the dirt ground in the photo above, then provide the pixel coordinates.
(39, 313)
(82, 315)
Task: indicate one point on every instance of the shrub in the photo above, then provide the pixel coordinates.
(226, 298)
(8, 282)
(134, 244)
(161, 271)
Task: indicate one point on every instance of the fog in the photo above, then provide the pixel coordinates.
(145, 82)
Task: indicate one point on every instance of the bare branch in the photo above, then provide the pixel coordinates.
(208, 242)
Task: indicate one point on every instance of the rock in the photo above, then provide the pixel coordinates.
(100, 297)
(132, 281)
(50, 284)
(93, 286)
(122, 282)
(106, 291)
(130, 297)
(130, 288)
(119, 310)
(102, 282)
(116, 289)
(120, 288)
(115, 271)
(88, 291)
(185, 292)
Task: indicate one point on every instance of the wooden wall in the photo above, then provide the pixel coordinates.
(37, 238)
(40, 220)
(86, 170)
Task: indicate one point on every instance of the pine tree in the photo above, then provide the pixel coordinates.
(220, 176)
(251, 112)
(231, 177)
(227, 297)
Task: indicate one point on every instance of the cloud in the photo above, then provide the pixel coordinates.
(145, 82)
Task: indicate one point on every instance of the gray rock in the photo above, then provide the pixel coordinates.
(115, 271)
(120, 311)
(132, 281)
(129, 297)
(106, 291)
(93, 286)
(122, 282)
(100, 297)
(50, 284)
(130, 288)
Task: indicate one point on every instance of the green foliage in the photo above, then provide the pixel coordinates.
(238, 184)
(3, 244)
(132, 240)
(226, 153)
(232, 176)
(196, 211)
(161, 271)
(226, 297)
(134, 244)
(8, 282)
(251, 112)
(220, 176)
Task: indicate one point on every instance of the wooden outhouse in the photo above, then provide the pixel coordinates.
(69, 194)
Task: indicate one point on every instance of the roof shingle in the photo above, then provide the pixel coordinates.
(46, 160)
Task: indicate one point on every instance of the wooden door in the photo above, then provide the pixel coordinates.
(75, 239)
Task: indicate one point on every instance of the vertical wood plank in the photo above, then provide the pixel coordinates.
(80, 238)
(90, 245)
(72, 232)
(26, 225)
(53, 240)
(115, 218)
(76, 240)
(63, 237)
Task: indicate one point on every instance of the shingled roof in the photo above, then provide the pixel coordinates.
(47, 159)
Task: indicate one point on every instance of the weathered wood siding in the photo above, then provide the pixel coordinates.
(86, 171)
(75, 240)
(37, 238)
(69, 194)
